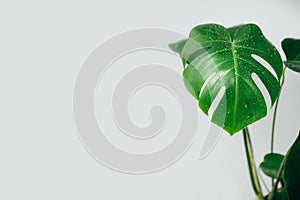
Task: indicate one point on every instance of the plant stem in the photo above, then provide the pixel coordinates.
(263, 182)
(275, 112)
(275, 115)
(251, 165)
(274, 189)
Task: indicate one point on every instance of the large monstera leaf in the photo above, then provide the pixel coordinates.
(215, 57)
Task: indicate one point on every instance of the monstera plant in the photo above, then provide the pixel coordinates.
(234, 64)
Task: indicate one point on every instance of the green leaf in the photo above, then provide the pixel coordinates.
(271, 164)
(291, 173)
(177, 46)
(291, 48)
(217, 57)
(282, 195)
(232, 30)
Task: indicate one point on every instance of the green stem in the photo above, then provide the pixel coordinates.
(263, 182)
(274, 117)
(251, 165)
(274, 189)
(275, 113)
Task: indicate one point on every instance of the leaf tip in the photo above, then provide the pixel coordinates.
(177, 46)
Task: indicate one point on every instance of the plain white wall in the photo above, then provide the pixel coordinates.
(42, 47)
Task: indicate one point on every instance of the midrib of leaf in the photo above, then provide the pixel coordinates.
(235, 77)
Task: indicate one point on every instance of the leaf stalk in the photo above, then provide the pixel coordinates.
(275, 115)
(251, 165)
(274, 189)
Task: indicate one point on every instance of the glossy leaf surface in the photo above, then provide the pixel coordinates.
(271, 164)
(216, 57)
(282, 195)
(291, 48)
(292, 170)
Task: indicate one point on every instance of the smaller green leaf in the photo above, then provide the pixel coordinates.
(293, 65)
(271, 164)
(291, 175)
(291, 48)
(282, 195)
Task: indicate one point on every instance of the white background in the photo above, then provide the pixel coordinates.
(42, 47)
